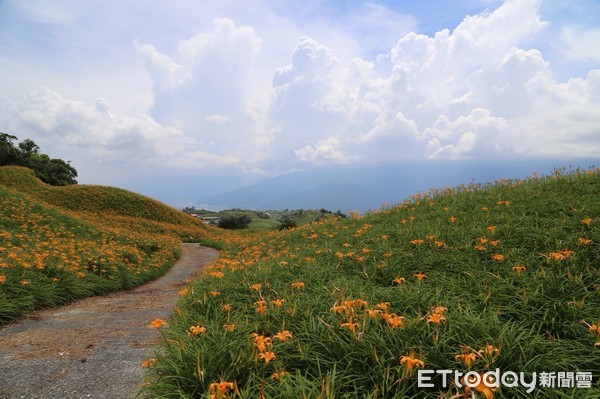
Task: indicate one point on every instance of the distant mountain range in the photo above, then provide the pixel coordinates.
(365, 188)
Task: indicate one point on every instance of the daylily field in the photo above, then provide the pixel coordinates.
(473, 278)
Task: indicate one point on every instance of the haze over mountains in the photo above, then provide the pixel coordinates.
(369, 187)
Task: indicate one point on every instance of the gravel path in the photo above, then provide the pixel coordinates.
(92, 348)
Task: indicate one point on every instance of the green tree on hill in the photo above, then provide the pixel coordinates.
(234, 222)
(51, 171)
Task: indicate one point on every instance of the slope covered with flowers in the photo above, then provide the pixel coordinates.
(62, 243)
(472, 278)
(98, 203)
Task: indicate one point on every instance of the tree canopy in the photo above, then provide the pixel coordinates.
(27, 153)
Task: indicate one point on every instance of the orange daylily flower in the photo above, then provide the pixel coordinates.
(266, 356)
(279, 376)
(229, 327)
(356, 303)
(399, 280)
(256, 287)
(261, 307)
(198, 329)
(278, 302)
(436, 318)
(587, 221)
(466, 358)
(262, 343)
(149, 363)
(518, 269)
(393, 320)
(488, 350)
(439, 309)
(283, 336)
(349, 326)
(218, 390)
(560, 255)
(420, 276)
(556, 256)
(157, 323)
(410, 362)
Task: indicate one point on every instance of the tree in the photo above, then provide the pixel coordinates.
(234, 222)
(287, 223)
(9, 154)
(51, 171)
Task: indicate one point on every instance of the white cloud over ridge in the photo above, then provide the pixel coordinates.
(479, 90)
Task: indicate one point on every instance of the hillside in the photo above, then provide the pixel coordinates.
(125, 208)
(62, 243)
(472, 278)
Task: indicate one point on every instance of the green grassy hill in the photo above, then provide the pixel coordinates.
(472, 278)
(62, 243)
(92, 199)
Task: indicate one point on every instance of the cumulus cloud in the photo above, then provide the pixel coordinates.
(207, 81)
(465, 93)
(94, 134)
(481, 89)
(324, 151)
(478, 134)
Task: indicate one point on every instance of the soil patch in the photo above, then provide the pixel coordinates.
(92, 348)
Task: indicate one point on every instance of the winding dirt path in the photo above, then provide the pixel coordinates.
(92, 348)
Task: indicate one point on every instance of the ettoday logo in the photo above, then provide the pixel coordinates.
(494, 379)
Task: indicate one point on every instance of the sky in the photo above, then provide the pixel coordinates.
(138, 93)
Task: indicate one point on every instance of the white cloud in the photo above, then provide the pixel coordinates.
(324, 151)
(460, 94)
(165, 73)
(217, 118)
(478, 134)
(579, 43)
(88, 135)
(217, 91)
(206, 83)
(564, 117)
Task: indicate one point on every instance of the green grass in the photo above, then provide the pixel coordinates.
(468, 241)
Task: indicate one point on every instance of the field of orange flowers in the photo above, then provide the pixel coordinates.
(475, 278)
(58, 244)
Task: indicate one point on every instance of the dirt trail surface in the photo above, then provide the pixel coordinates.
(92, 348)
